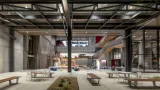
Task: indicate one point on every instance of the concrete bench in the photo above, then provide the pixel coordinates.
(93, 76)
(154, 80)
(9, 79)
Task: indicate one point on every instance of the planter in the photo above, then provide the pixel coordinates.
(65, 83)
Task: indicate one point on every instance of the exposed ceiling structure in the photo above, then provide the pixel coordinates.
(88, 17)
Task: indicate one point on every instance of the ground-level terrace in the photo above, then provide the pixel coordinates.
(106, 83)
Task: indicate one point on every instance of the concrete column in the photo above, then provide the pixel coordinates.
(25, 51)
(11, 50)
(123, 56)
(140, 57)
(98, 64)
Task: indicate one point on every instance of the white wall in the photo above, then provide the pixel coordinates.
(18, 52)
(46, 48)
(4, 48)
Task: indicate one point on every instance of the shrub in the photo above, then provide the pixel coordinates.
(69, 82)
(66, 87)
(62, 80)
(57, 88)
(60, 85)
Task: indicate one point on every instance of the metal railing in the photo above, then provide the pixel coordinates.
(117, 41)
(89, 49)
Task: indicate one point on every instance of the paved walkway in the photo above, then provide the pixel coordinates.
(106, 83)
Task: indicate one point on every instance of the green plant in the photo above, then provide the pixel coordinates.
(69, 82)
(60, 85)
(57, 88)
(66, 87)
(62, 80)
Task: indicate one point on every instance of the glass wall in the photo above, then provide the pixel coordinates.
(145, 47)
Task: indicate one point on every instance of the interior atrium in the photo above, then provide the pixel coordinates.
(79, 44)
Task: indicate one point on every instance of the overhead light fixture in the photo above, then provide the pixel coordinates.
(46, 32)
(130, 7)
(61, 8)
(94, 17)
(86, 32)
(105, 32)
(26, 7)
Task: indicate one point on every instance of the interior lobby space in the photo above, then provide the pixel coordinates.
(79, 44)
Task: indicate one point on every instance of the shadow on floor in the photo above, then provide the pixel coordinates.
(39, 80)
(92, 82)
(8, 86)
(145, 87)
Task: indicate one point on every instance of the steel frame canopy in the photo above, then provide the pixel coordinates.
(86, 14)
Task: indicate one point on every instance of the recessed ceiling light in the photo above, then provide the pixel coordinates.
(26, 7)
(86, 32)
(46, 32)
(130, 7)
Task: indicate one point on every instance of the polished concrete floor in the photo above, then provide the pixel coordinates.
(105, 83)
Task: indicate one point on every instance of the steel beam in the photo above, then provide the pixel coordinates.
(79, 1)
(46, 7)
(75, 16)
(69, 38)
(21, 15)
(43, 16)
(115, 10)
(131, 18)
(107, 7)
(90, 15)
(145, 7)
(9, 20)
(128, 51)
(64, 23)
(66, 12)
(113, 15)
(83, 6)
(142, 21)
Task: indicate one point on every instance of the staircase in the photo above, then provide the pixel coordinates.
(117, 43)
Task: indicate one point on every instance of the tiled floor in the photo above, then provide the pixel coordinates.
(106, 83)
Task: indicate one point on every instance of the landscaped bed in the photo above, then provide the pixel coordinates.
(65, 83)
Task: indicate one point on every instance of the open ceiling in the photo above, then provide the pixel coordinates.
(93, 16)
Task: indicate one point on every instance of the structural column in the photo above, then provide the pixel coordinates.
(69, 49)
(11, 50)
(158, 50)
(25, 51)
(128, 50)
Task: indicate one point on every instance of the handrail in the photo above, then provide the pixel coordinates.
(109, 44)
